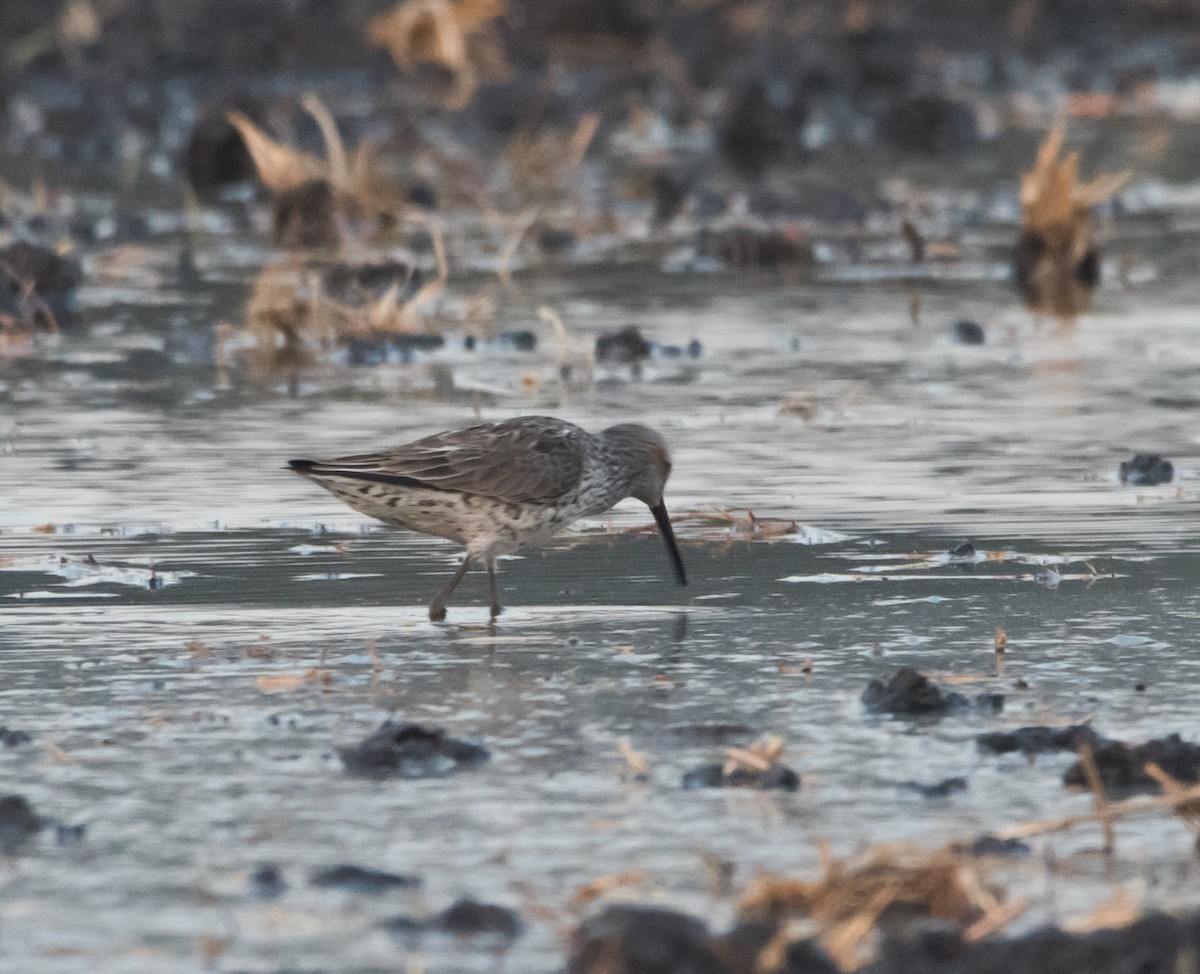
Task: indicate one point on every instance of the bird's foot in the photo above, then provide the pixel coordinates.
(497, 608)
(437, 613)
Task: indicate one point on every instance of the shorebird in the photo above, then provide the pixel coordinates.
(498, 487)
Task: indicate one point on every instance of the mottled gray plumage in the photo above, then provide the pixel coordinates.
(497, 487)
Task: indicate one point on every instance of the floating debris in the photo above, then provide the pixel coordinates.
(410, 751)
(1146, 470)
(359, 879)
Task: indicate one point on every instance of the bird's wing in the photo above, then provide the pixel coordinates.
(532, 458)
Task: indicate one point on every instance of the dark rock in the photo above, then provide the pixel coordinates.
(357, 879)
(422, 195)
(27, 268)
(752, 132)
(964, 550)
(397, 347)
(713, 776)
(14, 738)
(555, 240)
(669, 192)
(465, 918)
(941, 789)
(990, 845)
(68, 835)
(216, 155)
(929, 125)
(266, 881)
(753, 247)
(469, 918)
(1039, 740)
(18, 823)
(520, 340)
(1147, 470)
(969, 333)
(710, 733)
(644, 940)
(624, 347)
(1155, 944)
(410, 751)
(1122, 766)
(306, 216)
(910, 692)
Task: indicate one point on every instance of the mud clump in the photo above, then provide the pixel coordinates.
(625, 347)
(969, 333)
(18, 823)
(215, 155)
(929, 125)
(1146, 470)
(357, 879)
(646, 940)
(30, 274)
(1039, 740)
(1154, 943)
(745, 246)
(716, 775)
(402, 750)
(940, 789)
(465, 918)
(911, 693)
(1122, 766)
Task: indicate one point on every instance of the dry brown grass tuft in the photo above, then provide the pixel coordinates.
(449, 33)
(852, 898)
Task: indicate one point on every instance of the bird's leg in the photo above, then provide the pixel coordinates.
(497, 608)
(437, 608)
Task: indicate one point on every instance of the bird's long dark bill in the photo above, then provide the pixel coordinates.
(668, 535)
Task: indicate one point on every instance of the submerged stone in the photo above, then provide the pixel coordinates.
(266, 881)
(1122, 766)
(644, 940)
(1147, 470)
(911, 692)
(18, 823)
(969, 333)
(940, 789)
(10, 737)
(466, 918)
(358, 879)
(1039, 740)
(777, 776)
(624, 347)
(406, 750)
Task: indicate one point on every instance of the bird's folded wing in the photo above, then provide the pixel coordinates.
(518, 461)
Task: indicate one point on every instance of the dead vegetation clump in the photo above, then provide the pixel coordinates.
(313, 199)
(885, 886)
(455, 35)
(292, 322)
(1057, 261)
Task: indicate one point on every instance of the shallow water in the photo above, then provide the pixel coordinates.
(157, 562)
